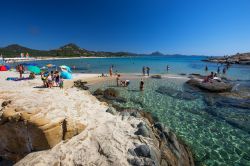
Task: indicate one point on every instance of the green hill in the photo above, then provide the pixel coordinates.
(69, 50)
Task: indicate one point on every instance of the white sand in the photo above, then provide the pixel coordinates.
(105, 133)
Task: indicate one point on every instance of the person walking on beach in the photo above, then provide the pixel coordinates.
(143, 70)
(148, 69)
(111, 71)
(141, 85)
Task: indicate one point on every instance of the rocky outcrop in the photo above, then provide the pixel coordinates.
(148, 143)
(23, 132)
(81, 85)
(164, 149)
(235, 59)
(211, 86)
(109, 94)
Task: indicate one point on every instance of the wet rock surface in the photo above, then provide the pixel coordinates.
(211, 86)
(81, 84)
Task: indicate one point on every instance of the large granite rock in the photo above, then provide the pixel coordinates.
(23, 132)
(212, 86)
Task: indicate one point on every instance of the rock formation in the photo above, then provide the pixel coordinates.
(23, 132)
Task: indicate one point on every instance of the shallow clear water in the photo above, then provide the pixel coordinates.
(212, 139)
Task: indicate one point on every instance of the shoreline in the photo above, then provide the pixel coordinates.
(96, 123)
(15, 60)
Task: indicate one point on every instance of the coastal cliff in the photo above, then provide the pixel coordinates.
(243, 58)
(71, 127)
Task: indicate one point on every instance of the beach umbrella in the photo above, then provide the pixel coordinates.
(65, 68)
(3, 68)
(34, 69)
(66, 75)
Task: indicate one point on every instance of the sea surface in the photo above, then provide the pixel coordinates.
(217, 129)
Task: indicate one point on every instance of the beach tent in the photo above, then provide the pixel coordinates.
(66, 75)
(34, 69)
(3, 68)
(65, 68)
(7, 67)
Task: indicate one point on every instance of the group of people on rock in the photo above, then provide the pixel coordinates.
(51, 79)
(210, 77)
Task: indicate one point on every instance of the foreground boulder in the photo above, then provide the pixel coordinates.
(33, 132)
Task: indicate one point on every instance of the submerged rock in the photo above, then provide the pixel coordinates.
(111, 94)
(182, 95)
(156, 76)
(98, 92)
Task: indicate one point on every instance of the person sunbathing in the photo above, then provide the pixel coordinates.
(32, 75)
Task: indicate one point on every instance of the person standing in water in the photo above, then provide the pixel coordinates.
(224, 70)
(218, 70)
(141, 85)
(167, 68)
(148, 69)
(143, 70)
(111, 71)
(206, 68)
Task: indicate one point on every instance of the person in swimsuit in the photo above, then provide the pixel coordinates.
(141, 85)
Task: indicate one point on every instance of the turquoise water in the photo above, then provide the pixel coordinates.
(178, 64)
(217, 132)
(212, 139)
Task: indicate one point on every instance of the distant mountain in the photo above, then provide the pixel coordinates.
(156, 53)
(68, 50)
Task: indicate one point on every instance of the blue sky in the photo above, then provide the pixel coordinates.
(207, 27)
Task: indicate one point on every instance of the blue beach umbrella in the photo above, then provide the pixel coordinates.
(66, 75)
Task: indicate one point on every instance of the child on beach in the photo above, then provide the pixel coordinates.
(61, 83)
